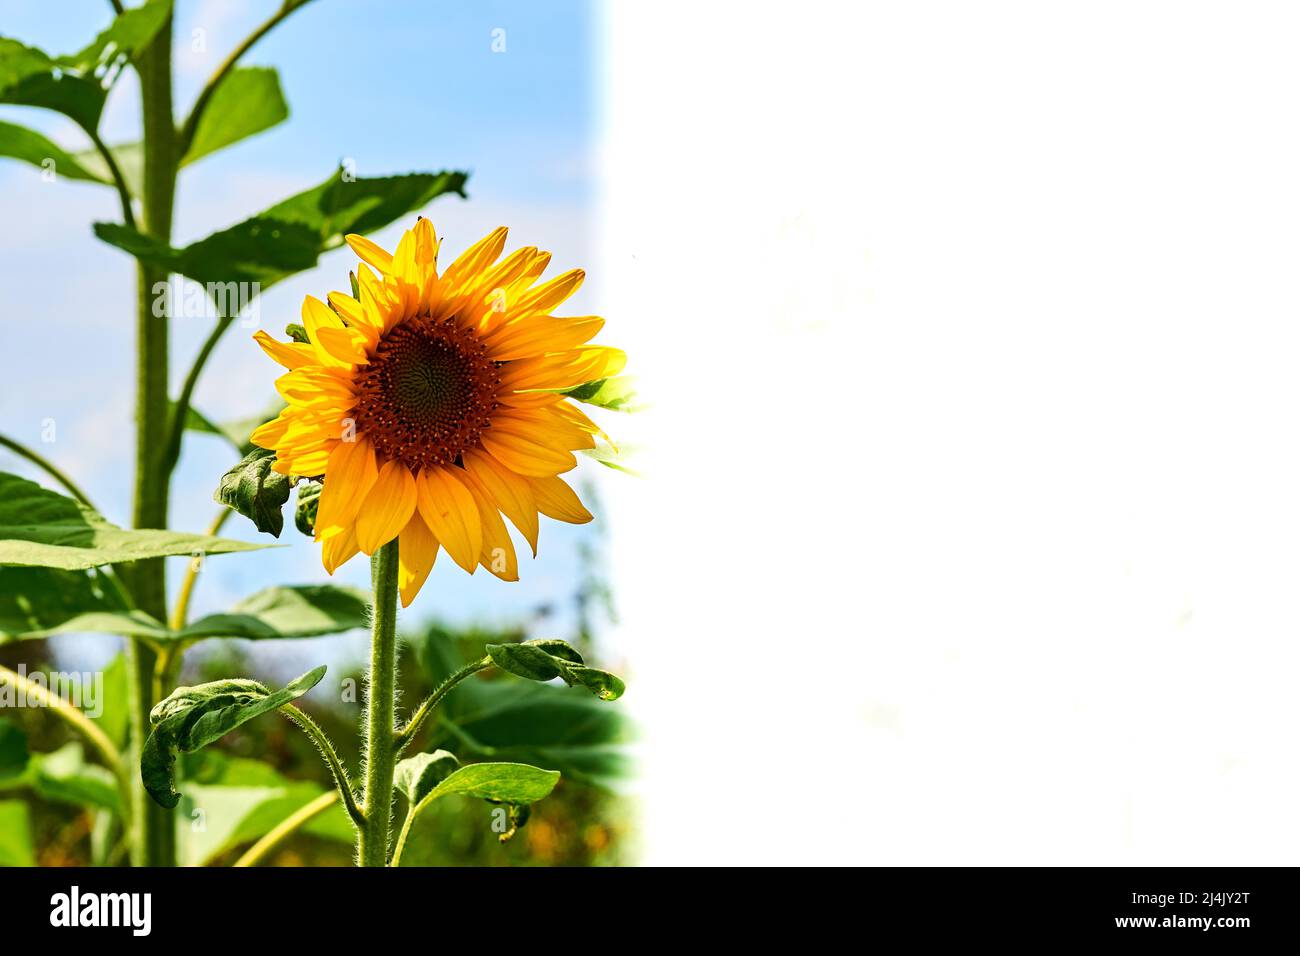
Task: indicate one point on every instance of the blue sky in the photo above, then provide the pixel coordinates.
(393, 87)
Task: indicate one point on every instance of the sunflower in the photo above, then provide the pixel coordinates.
(430, 404)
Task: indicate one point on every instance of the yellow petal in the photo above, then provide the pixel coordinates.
(338, 548)
(387, 508)
(291, 355)
(349, 476)
(314, 388)
(416, 551)
(367, 251)
(451, 513)
(346, 345)
(525, 456)
(498, 551)
(550, 294)
(474, 261)
(509, 492)
(540, 334)
(268, 434)
(557, 500)
(351, 312)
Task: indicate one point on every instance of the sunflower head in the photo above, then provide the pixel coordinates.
(431, 403)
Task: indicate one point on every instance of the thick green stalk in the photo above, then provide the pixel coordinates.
(372, 840)
(153, 842)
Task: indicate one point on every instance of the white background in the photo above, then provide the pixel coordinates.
(970, 528)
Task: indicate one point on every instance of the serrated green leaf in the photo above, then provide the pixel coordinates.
(304, 512)
(41, 528)
(255, 491)
(18, 142)
(417, 776)
(290, 236)
(13, 750)
(193, 717)
(248, 101)
(287, 612)
(15, 834)
(28, 77)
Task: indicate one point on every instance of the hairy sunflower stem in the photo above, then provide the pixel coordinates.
(153, 840)
(372, 839)
(326, 747)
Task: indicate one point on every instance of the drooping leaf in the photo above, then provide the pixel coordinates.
(255, 491)
(193, 717)
(304, 513)
(290, 236)
(30, 146)
(28, 77)
(287, 612)
(42, 528)
(128, 34)
(13, 750)
(417, 776)
(531, 660)
(248, 101)
(15, 834)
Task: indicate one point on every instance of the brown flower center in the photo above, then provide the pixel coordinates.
(427, 394)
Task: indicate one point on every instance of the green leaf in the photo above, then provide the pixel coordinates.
(13, 750)
(124, 623)
(524, 660)
(65, 776)
(248, 101)
(128, 34)
(289, 237)
(193, 717)
(502, 782)
(563, 728)
(240, 800)
(34, 601)
(417, 776)
(304, 513)
(30, 146)
(255, 491)
(287, 612)
(617, 394)
(130, 163)
(114, 716)
(15, 834)
(532, 661)
(41, 528)
(28, 77)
